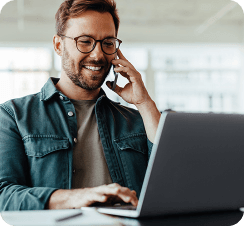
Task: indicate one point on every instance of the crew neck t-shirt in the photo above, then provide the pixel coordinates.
(89, 165)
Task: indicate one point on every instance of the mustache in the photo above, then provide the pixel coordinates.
(93, 62)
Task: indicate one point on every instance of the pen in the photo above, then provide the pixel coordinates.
(68, 217)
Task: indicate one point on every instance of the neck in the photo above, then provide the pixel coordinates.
(72, 91)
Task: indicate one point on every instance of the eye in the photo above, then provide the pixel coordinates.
(108, 43)
(84, 42)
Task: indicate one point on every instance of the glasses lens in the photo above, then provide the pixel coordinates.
(85, 44)
(110, 45)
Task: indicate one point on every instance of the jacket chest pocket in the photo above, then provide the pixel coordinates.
(41, 145)
(133, 152)
(48, 159)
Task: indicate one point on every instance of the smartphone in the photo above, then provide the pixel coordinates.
(115, 76)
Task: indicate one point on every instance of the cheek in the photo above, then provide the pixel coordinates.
(81, 57)
(79, 61)
(110, 58)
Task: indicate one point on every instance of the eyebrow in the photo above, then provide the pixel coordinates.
(94, 38)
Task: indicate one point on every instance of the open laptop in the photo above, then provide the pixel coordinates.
(196, 165)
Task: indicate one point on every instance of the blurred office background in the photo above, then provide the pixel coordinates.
(190, 53)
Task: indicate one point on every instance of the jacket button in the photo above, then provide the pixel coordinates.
(61, 97)
(70, 113)
(75, 140)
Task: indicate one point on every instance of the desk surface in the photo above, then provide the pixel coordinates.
(209, 219)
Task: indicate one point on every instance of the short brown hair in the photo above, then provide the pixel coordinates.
(74, 8)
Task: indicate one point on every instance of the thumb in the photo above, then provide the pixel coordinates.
(117, 88)
(109, 84)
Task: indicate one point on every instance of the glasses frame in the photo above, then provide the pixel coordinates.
(101, 41)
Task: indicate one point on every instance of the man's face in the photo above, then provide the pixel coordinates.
(88, 70)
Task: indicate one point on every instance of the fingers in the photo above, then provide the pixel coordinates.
(122, 62)
(117, 89)
(93, 197)
(125, 194)
(120, 55)
(126, 72)
(112, 193)
(122, 69)
(125, 68)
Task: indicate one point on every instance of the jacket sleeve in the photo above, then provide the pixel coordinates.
(15, 190)
(150, 146)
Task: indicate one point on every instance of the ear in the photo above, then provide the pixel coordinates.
(58, 45)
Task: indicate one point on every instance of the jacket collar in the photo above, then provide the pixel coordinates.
(49, 89)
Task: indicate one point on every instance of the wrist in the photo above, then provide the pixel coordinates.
(60, 199)
(151, 116)
(145, 105)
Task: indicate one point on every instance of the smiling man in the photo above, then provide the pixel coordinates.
(69, 145)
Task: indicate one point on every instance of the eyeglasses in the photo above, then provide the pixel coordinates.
(86, 44)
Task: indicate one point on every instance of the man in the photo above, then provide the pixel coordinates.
(69, 145)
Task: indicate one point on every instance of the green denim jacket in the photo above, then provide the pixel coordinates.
(36, 141)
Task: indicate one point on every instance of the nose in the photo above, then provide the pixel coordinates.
(97, 52)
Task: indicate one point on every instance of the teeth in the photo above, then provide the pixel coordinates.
(93, 68)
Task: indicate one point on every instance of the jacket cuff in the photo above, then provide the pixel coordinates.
(25, 198)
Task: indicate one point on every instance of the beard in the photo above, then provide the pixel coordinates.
(79, 79)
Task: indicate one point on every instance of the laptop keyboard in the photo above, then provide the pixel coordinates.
(120, 207)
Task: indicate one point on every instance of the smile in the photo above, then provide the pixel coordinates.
(93, 68)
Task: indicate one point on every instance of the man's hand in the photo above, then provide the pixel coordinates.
(77, 198)
(134, 91)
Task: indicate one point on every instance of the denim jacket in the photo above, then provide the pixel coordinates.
(37, 136)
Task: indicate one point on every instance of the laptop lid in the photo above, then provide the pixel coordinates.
(198, 165)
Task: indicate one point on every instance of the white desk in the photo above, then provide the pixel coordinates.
(47, 218)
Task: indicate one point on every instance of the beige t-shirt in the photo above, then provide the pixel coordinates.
(89, 165)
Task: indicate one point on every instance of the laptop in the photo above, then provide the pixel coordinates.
(196, 165)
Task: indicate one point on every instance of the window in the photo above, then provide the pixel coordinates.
(198, 78)
(23, 71)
